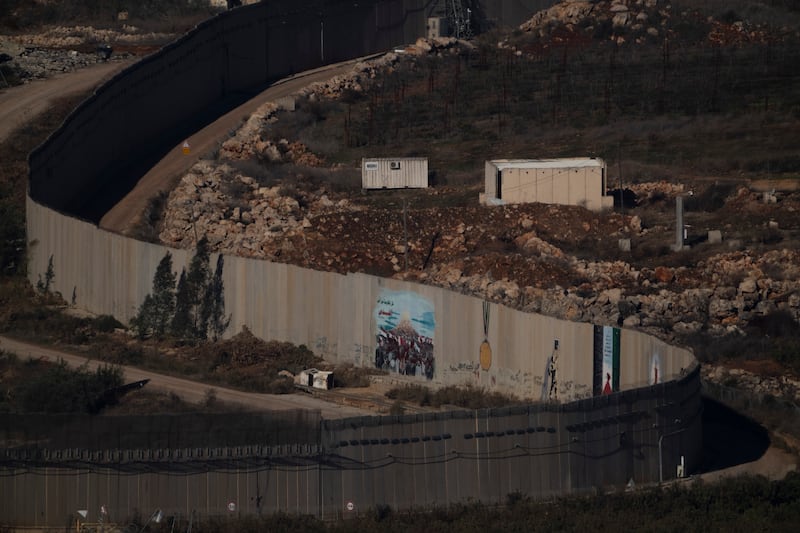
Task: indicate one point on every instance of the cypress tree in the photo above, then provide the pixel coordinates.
(142, 323)
(216, 320)
(197, 279)
(163, 296)
(182, 321)
(157, 309)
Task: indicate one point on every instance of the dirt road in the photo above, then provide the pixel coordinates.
(191, 391)
(19, 104)
(126, 215)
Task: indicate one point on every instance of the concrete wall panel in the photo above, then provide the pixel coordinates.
(333, 314)
(416, 460)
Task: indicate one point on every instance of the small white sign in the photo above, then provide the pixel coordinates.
(231, 506)
(350, 506)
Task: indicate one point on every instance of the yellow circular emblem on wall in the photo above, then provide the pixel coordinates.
(486, 355)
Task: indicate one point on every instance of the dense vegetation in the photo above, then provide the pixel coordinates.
(243, 361)
(192, 310)
(37, 386)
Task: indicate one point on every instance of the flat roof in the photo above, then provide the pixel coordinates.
(394, 159)
(572, 162)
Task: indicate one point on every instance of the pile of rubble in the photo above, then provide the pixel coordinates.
(66, 49)
(236, 214)
(650, 17)
(637, 20)
(32, 63)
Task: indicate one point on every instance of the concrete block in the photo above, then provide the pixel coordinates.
(625, 245)
(714, 236)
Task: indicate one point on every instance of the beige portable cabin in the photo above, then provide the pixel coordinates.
(575, 181)
(397, 173)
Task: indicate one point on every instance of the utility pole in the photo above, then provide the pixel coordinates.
(679, 229)
(619, 166)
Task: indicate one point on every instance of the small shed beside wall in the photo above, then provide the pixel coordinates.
(575, 181)
(317, 379)
(397, 173)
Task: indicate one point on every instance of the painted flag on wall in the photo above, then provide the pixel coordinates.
(606, 360)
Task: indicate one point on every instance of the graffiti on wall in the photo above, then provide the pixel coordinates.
(655, 369)
(550, 381)
(606, 360)
(405, 323)
(485, 351)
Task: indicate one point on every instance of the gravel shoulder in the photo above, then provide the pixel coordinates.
(126, 215)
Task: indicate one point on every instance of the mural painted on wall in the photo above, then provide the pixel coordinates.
(606, 360)
(406, 323)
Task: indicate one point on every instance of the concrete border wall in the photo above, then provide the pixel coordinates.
(427, 333)
(543, 451)
(339, 316)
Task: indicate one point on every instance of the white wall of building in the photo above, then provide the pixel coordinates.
(575, 181)
(397, 173)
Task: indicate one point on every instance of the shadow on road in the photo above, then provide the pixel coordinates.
(729, 438)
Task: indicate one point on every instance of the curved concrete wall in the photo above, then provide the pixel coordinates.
(120, 132)
(427, 333)
(338, 316)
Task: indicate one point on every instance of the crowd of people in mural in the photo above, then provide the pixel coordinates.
(410, 355)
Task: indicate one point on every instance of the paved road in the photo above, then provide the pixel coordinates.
(127, 214)
(191, 391)
(23, 102)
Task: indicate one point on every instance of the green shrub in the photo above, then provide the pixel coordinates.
(57, 388)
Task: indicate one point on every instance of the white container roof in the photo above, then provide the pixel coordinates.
(575, 162)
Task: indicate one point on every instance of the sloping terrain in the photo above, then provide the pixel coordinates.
(653, 87)
(286, 186)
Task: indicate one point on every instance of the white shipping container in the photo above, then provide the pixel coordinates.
(394, 173)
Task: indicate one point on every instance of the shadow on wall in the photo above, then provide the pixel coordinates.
(729, 438)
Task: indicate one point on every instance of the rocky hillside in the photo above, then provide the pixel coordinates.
(63, 49)
(523, 256)
(557, 260)
(642, 20)
(272, 197)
